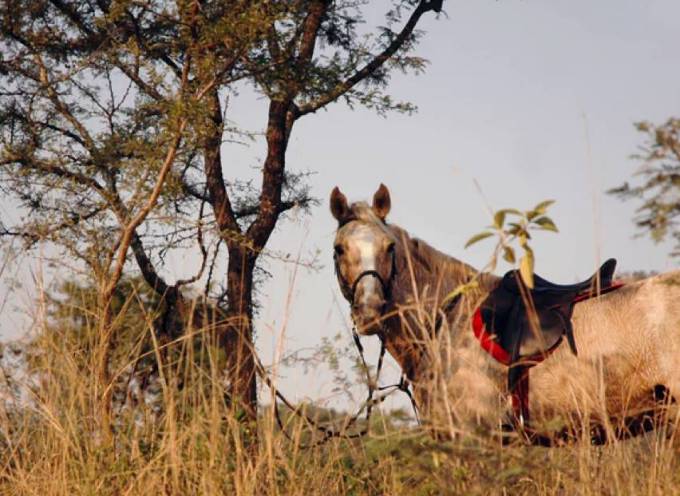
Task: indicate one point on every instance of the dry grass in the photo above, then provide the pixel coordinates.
(189, 440)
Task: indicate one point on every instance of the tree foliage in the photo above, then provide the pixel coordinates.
(656, 183)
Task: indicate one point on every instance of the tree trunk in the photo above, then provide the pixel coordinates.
(236, 336)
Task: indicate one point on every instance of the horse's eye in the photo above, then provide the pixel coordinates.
(390, 248)
(339, 250)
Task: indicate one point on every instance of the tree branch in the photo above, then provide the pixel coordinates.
(129, 231)
(44, 166)
(219, 198)
(310, 31)
(156, 282)
(370, 68)
(33, 237)
(272, 175)
(279, 126)
(201, 246)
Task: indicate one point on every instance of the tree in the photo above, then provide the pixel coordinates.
(114, 110)
(101, 106)
(657, 182)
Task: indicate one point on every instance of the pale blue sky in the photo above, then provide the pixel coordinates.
(532, 99)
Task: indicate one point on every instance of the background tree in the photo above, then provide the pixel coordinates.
(657, 182)
(112, 111)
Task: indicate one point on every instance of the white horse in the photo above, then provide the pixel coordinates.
(628, 340)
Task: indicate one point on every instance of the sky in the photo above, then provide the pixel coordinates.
(522, 101)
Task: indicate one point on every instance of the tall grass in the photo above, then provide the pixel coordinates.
(178, 434)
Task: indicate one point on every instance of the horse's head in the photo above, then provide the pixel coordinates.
(364, 257)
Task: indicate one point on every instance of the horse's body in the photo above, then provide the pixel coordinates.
(628, 340)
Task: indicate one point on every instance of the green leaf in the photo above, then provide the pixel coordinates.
(509, 254)
(543, 206)
(546, 224)
(514, 228)
(499, 216)
(512, 211)
(478, 237)
(526, 269)
(499, 219)
(524, 239)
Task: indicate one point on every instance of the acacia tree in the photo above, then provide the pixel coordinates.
(112, 111)
(657, 182)
(101, 106)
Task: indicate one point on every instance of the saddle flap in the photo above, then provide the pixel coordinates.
(542, 340)
(506, 317)
(531, 334)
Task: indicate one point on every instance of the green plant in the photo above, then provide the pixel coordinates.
(511, 225)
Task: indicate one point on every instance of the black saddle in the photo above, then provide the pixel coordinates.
(530, 323)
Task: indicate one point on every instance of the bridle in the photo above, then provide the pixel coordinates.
(349, 290)
(386, 285)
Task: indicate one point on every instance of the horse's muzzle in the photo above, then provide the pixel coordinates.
(368, 318)
(368, 303)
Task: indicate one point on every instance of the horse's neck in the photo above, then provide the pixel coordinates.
(423, 280)
(424, 272)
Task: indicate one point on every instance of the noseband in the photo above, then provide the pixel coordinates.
(385, 285)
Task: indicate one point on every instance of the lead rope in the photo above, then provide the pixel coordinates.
(373, 385)
(403, 385)
(371, 400)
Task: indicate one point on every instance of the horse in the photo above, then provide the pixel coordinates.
(399, 288)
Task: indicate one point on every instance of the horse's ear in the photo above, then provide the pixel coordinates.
(382, 202)
(339, 207)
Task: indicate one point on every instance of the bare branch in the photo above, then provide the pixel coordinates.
(201, 246)
(45, 166)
